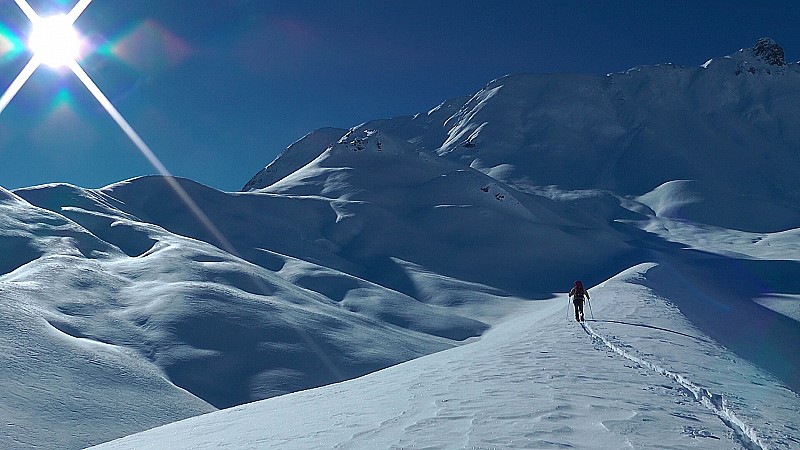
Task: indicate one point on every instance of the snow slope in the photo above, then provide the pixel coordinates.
(60, 386)
(177, 325)
(638, 376)
(730, 125)
(453, 231)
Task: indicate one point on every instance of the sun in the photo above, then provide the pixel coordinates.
(55, 41)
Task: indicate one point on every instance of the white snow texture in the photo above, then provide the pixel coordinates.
(403, 284)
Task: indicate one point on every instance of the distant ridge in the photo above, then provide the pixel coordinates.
(730, 124)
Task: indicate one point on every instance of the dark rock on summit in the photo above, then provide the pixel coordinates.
(769, 51)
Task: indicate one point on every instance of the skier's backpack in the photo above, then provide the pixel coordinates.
(578, 291)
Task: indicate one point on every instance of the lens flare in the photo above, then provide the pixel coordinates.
(148, 47)
(48, 50)
(16, 85)
(10, 45)
(55, 41)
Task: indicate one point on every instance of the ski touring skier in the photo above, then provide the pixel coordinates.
(579, 295)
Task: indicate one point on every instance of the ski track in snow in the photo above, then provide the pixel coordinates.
(530, 382)
(746, 434)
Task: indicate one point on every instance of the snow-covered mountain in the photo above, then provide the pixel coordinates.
(673, 190)
(731, 123)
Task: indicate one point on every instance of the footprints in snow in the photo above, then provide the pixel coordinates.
(745, 434)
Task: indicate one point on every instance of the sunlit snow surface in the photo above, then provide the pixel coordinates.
(358, 252)
(536, 381)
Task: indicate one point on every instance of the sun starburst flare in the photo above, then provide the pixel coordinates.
(55, 42)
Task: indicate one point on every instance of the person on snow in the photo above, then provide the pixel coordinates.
(578, 294)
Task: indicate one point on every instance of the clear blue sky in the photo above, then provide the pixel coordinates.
(218, 88)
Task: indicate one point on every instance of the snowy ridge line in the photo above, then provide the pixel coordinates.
(746, 434)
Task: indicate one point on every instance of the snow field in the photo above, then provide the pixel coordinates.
(358, 250)
(536, 381)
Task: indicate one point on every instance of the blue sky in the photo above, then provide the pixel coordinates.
(217, 88)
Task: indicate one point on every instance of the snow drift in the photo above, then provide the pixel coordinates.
(357, 250)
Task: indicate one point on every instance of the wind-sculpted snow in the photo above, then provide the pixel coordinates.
(185, 315)
(701, 202)
(225, 330)
(61, 385)
(452, 231)
(535, 381)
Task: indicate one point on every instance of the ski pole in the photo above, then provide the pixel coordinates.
(590, 307)
(568, 301)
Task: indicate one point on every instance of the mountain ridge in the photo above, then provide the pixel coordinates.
(359, 249)
(627, 132)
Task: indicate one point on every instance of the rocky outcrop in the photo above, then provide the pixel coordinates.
(769, 51)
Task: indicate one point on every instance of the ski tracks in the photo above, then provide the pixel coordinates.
(745, 434)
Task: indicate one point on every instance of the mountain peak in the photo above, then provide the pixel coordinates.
(769, 51)
(765, 57)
